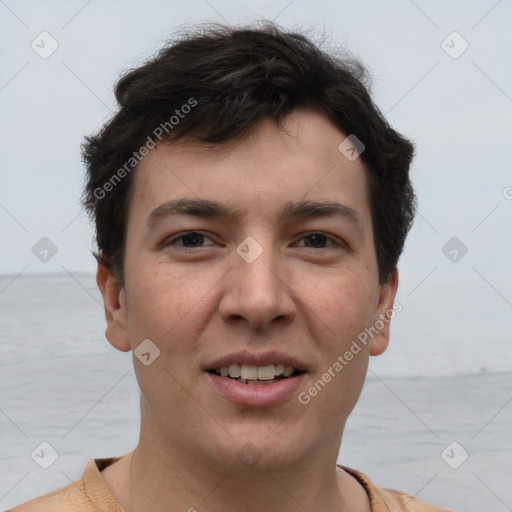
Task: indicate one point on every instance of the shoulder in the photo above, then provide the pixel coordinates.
(390, 500)
(89, 494)
(404, 502)
(67, 499)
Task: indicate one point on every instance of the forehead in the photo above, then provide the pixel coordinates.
(270, 166)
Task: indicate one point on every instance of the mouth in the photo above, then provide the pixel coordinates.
(256, 375)
(249, 385)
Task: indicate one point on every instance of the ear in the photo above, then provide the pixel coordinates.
(383, 314)
(114, 302)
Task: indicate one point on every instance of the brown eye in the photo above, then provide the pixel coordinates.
(320, 241)
(190, 240)
(317, 240)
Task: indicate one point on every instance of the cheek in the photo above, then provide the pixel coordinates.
(158, 302)
(345, 305)
(164, 309)
(347, 312)
(172, 310)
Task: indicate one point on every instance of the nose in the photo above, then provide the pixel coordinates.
(257, 293)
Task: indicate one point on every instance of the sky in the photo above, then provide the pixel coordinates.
(441, 74)
(454, 99)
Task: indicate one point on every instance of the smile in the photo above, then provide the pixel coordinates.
(255, 392)
(252, 374)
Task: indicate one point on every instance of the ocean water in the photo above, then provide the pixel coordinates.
(445, 438)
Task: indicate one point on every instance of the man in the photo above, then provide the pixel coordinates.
(250, 205)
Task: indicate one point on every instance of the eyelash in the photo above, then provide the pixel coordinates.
(333, 241)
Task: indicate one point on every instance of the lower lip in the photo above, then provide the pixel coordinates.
(254, 395)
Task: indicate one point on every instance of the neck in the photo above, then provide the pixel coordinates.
(163, 474)
(151, 479)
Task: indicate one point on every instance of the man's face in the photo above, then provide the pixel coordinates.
(263, 286)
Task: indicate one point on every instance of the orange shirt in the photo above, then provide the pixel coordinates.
(91, 494)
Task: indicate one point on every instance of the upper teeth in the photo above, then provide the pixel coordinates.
(251, 372)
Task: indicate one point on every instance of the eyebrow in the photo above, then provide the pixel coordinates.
(205, 208)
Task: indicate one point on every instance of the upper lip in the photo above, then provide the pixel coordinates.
(256, 359)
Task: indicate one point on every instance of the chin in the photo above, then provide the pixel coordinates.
(266, 449)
